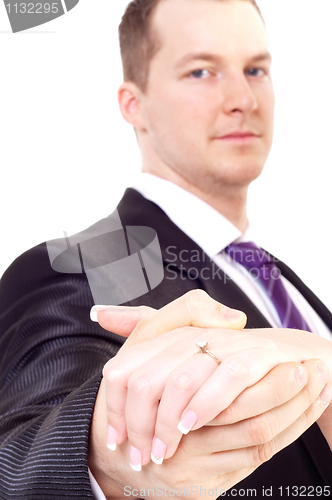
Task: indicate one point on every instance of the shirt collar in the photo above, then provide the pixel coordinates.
(202, 223)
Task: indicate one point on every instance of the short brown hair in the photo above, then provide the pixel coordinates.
(139, 42)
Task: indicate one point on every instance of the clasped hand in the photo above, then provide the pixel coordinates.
(263, 396)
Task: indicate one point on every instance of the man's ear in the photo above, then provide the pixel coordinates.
(130, 104)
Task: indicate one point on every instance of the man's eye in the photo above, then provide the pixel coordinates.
(200, 73)
(256, 72)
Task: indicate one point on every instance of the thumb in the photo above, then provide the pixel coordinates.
(195, 309)
(120, 319)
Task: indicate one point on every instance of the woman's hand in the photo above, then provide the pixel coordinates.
(153, 385)
(195, 308)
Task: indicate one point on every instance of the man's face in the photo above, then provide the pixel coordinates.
(209, 81)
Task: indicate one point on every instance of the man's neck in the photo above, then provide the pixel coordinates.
(230, 201)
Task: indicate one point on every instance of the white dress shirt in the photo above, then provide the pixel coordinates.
(213, 233)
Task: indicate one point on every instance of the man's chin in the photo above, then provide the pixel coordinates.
(238, 173)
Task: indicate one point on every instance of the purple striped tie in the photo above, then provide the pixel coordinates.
(261, 266)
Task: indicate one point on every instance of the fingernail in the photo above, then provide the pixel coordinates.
(135, 457)
(93, 312)
(112, 437)
(232, 315)
(326, 394)
(301, 376)
(158, 451)
(322, 371)
(188, 422)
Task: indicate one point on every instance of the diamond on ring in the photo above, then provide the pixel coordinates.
(202, 345)
(203, 349)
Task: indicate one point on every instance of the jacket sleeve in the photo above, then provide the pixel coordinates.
(51, 357)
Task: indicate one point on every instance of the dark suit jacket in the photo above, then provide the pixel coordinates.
(51, 357)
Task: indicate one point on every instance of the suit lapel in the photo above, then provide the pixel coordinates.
(311, 298)
(184, 259)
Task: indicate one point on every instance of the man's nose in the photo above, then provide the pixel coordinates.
(238, 95)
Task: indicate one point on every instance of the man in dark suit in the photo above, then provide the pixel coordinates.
(198, 92)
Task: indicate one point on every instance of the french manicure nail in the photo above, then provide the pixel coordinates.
(93, 312)
(135, 458)
(232, 315)
(301, 376)
(188, 422)
(326, 394)
(158, 451)
(112, 437)
(322, 371)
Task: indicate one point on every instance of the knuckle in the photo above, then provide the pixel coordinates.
(277, 396)
(263, 453)
(115, 415)
(236, 368)
(139, 384)
(135, 438)
(112, 373)
(312, 413)
(271, 345)
(194, 300)
(181, 380)
(164, 430)
(139, 436)
(308, 396)
(261, 429)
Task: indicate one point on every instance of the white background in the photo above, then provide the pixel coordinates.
(66, 155)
